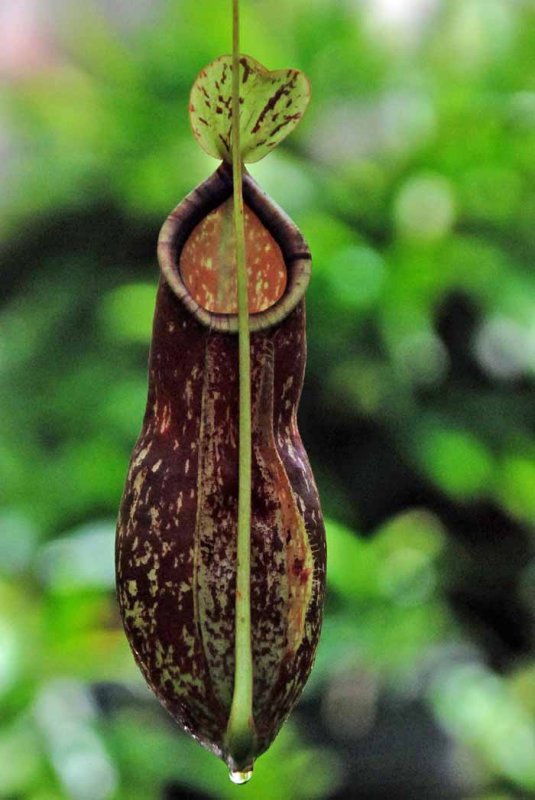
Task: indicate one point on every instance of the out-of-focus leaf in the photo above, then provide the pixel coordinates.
(83, 558)
(353, 564)
(515, 486)
(455, 460)
(480, 709)
(21, 758)
(18, 540)
(126, 312)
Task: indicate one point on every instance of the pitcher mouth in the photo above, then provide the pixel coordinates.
(208, 196)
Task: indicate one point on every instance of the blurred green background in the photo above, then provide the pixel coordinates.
(412, 178)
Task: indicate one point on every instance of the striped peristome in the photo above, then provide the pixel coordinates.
(177, 527)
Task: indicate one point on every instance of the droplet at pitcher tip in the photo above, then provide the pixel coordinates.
(236, 776)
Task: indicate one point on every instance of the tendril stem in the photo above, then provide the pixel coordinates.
(240, 730)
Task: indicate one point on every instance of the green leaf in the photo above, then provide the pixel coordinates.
(271, 105)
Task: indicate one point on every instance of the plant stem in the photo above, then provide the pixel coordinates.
(240, 729)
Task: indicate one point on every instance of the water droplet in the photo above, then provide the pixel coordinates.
(240, 777)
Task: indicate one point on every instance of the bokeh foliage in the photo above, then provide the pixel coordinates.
(411, 177)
